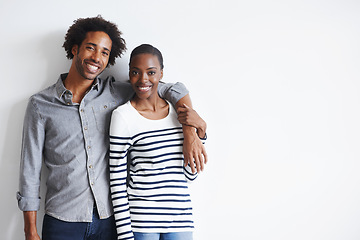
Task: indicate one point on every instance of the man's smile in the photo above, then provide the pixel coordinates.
(92, 67)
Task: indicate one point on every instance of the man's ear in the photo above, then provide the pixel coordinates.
(75, 49)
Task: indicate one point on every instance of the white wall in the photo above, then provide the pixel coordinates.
(277, 82)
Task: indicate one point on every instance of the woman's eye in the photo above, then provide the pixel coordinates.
(152, 73)
(134, 72)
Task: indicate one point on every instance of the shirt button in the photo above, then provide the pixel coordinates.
(89, 147)
(85, 128)
(91, 166)
(82, 110)
(105, 107)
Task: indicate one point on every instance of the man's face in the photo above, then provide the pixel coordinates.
(92, 56)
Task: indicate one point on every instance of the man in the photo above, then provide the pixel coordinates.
(67, 126)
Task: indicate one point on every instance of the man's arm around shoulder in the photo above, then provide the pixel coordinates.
(194, 128)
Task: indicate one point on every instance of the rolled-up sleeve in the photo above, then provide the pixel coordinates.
(172, 92)
(31, 159)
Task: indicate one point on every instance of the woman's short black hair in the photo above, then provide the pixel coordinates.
(147, 48)
(77, 33)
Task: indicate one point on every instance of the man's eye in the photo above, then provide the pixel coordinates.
(90, 48)
(105, 53)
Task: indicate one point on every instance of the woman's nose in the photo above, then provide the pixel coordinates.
(144, 77)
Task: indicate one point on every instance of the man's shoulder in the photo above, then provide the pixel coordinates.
(106, 80)
(121, 90)
(110, 80)
(49, 92)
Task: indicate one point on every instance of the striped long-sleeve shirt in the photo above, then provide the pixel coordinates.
(157, 198)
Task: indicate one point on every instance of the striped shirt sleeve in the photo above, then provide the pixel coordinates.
(120, 142)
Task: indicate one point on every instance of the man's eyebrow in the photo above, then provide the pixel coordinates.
(95, 45)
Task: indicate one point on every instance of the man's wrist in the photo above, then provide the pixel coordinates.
(201, 130)
(30, 228)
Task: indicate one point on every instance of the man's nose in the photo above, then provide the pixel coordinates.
(96, 56)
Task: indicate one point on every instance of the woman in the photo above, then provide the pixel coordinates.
(145, 131)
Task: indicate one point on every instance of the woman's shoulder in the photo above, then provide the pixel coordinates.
(123, 113)
(124, 108)
(119, 124)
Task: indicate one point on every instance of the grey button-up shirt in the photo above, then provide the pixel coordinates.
(73, 141)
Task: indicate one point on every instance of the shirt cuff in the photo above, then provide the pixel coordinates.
(27, 204)
(175, 92)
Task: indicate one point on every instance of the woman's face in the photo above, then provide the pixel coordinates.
(145, 73)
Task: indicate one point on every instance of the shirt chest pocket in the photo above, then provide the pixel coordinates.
(102, 116)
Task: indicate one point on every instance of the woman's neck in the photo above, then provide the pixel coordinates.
(152, 108)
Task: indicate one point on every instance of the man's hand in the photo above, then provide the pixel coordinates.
(189, 117)
(30, 226)
(193, 150)
(32, 236)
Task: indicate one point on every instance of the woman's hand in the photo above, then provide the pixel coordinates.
(193, 150)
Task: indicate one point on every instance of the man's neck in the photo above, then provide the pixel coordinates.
(77, 85)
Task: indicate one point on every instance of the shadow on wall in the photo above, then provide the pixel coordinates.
(55, 58)
(53, 55)
(11, 222)
(120, 70)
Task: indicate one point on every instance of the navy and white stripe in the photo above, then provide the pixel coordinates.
(157, 197)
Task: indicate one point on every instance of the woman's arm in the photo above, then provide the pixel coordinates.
(193, 149)
(120, 142)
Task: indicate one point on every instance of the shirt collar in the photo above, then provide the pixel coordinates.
(61, 89)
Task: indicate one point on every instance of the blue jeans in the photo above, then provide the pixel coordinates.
(98, 229)
(164, 236)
